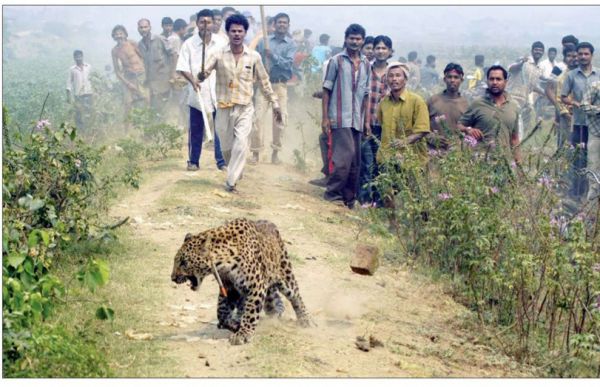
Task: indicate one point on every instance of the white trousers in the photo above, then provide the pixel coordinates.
(234, 126)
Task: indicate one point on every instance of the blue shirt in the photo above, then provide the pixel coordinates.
(281, 61)
(576, 83)
(321, 54)
(348, 87)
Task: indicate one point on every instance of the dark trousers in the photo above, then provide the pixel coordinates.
(343, 181)
(324, 147)
(368, 166)
(578, 180)
(195, 136)
(83, 110)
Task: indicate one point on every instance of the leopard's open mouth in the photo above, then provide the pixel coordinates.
(193, 282)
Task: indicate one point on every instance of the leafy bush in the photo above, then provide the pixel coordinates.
(159, 137)
(51, 200)
(499, 232)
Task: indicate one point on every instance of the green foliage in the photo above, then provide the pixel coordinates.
(52, 199)
(159, 137)
(514, 256)
(52, 352)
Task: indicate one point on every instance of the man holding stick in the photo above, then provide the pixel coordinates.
(236, 67)
(192, 58)
(278, 51)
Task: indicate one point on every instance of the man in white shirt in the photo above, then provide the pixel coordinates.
(79, 90)
(188, 65)
(548, 64)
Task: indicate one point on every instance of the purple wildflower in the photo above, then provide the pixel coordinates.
(41, 124)
(495, 190)
(440, 118)
(444, 196)
(433, 152)
(545, 181)
(470, 141)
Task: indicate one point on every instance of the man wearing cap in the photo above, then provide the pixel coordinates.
(345, 91)
(278, 60)
(403, 116)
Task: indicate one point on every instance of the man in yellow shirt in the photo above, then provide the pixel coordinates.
(403, 116)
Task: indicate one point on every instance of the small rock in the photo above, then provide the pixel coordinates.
(362, 344)
(206, 363)
(434, 338)
(201, 356)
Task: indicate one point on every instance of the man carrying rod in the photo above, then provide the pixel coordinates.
(277, 51)
(201, 98)
(236, 66)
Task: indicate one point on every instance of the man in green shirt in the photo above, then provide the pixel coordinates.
(494, 118)
(403, 116)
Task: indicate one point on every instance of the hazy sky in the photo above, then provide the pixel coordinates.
(410, 27)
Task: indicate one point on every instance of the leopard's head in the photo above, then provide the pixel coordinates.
(192, 262)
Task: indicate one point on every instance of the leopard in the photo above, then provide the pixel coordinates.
(254, 267)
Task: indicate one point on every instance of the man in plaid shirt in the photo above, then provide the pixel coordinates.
(236, 67)
(378, 88)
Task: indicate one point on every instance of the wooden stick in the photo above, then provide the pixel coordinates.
(265, 36)
(216, 273)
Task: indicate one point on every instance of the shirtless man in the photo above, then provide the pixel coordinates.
(129, 69)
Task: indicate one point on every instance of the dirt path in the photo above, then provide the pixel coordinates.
(420, 327)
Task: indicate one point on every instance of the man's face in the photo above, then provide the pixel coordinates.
(205, 25)
(496, 82)
(537, 53)
(119, 36)
(167, 29)
(282, 25)
(367, 51)
(354, 42)
(551, 55)
(571, 60)
(78, 58)
(144, 28)
(218, 20)
(236, 34)
(584, 56)
(382, 52)
(453, 79)
(396, 79)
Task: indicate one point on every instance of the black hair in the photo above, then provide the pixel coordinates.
(570, 39)
(77, 52)
(567, 50)
(412, 56)
(324, 39)
(454, 67)
(537, 44)
(496, 67)
(430, 58)
(402, 59)
(587, 45)
(383, 38)
(552, 49)
(307, 31)
(179, 24)
(479, 60)
(355, 29)
(369, 40)
(227, 9)
(236, 18)
(217, 12)
(166, 20)
(205, 13)
(280, 15)
(119, 27)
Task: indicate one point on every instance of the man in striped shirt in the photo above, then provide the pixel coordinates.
(345, 91)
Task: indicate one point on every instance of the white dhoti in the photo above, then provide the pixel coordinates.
(233, 126)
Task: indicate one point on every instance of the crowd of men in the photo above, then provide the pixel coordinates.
(372, 106)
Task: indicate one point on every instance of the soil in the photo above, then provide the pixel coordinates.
(413, 328)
